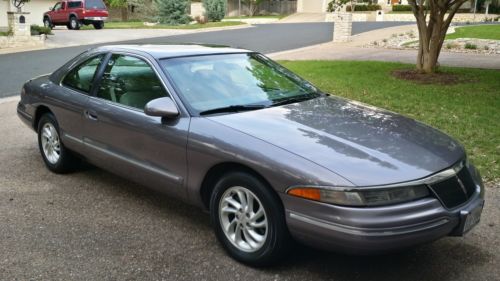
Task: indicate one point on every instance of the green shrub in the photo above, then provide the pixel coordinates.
(37, 30)
(401, 8)
(364, 8)
(470, 46)
(173, 12)
(215, 9)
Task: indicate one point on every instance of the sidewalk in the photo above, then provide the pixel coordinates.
(354, 51)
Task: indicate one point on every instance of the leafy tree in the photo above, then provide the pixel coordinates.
(253, 6)
(215, 9)
(173, 12)
(432, 23)
(123, 5)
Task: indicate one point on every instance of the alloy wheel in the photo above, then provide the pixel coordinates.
(51, 144)
(243, 219)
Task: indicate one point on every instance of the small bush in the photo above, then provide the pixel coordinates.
(401, 8)
(173, 12)
(486, 48)
(215, 9)
(37, 30)
(470, 46)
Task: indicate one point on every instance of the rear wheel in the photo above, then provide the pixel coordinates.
(98, 24)
(56, 157)
(248, 219)
(73, 24)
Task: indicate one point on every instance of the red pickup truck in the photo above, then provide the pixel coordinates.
(74, 13)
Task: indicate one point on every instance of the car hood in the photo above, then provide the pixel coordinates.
(365, 145)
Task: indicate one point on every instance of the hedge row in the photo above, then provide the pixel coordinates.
(401, 8)
(363, 8)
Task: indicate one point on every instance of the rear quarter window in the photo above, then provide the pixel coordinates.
(75, 4)
(94, 4)
(81, 77)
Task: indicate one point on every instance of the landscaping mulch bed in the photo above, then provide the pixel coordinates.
(440, 78)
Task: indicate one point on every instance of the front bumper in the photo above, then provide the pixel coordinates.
(373, 230)
(24, 115)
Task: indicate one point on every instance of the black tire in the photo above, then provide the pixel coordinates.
(277, 239)
(74, 23)
(98, 24)
(67, 161)
(47, 23)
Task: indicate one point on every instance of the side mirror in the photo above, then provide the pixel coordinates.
(51, 8)
(161, 107)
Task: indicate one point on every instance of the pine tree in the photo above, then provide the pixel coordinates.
(215, 9)
(173, 12)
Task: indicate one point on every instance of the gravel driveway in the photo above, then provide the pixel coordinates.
(92, 225)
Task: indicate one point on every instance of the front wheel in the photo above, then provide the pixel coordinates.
(98, 25)
(56, 157)
(47, 23)
(248, 219)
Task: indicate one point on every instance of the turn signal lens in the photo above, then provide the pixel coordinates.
(361, 197)
(308, 193)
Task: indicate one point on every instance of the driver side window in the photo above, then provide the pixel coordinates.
(57, 6)
(130, 81)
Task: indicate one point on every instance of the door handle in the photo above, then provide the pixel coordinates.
(91, 115)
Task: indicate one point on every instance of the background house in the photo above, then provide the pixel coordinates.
(36, 8)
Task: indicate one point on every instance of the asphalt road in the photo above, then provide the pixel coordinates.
(92, 225)
(16, 68)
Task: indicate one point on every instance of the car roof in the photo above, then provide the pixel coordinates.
(177, 50)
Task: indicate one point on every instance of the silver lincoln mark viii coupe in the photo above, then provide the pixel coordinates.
(269, 155)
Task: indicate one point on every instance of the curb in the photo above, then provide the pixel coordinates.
(48, 45)
(9, 99)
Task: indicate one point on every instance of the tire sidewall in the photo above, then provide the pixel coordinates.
(47, 23)
(49, 118)
(272, 207)
(76, 24)
(98, 25)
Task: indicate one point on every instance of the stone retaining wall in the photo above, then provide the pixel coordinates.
(17, 41)
(361, 17)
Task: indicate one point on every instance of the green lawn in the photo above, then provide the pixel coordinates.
(140, 25)
(468, 111)
(478, 31)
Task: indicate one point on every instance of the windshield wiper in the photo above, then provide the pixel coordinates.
(233, 108)
(294, 99)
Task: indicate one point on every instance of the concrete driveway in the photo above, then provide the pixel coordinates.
(92, 225)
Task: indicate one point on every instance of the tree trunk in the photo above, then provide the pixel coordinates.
(432, 27)
(124, 12)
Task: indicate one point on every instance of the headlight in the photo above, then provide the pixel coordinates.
(361, 196)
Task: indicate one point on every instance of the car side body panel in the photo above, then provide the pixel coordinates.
(211, 143)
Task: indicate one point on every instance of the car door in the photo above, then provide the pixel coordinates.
(123, 139)
(59, 12)
(72, 97)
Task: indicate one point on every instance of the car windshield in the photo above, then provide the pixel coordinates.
(210, 84)
(94, 4)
